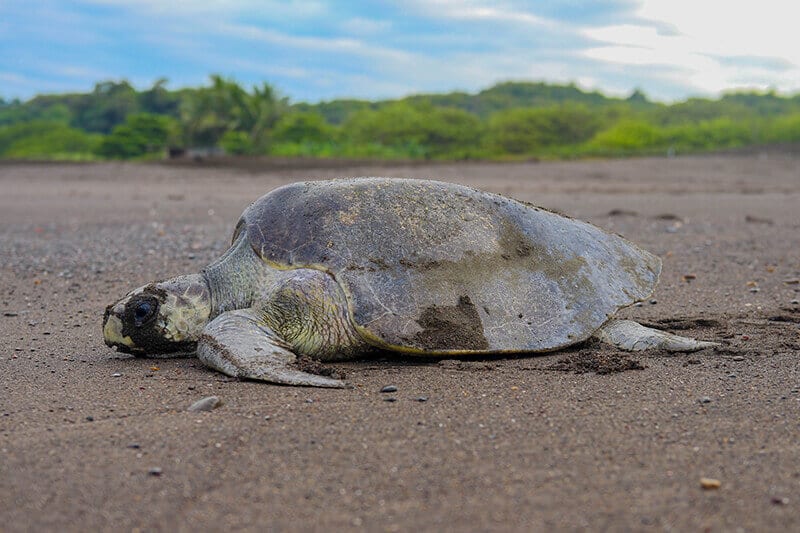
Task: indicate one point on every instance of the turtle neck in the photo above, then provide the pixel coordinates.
(237, 278)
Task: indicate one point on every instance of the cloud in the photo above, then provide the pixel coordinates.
(222, 8)
(323, 45)
(13, 77)
(763, 28)
(365, 26)
(320, 49)
(749, 50)
(471, 10)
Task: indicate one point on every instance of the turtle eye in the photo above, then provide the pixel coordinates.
(143, 311)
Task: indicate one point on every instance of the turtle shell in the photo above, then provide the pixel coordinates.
(440, 268)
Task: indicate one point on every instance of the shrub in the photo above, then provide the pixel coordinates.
(528, 130)
(142, 133)
(416, 131)
(302, 127)
(236, 143)
(628, 136)
(45, 140)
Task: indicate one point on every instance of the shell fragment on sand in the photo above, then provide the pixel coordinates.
(206, 404)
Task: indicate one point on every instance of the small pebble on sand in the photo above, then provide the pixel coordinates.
(710, 483)
(389, 388)
(705, 399)
(155, 471)
(206, 404)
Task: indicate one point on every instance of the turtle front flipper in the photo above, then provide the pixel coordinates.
(633, 337)
(238, 344)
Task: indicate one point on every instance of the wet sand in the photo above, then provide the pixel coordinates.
(589, 438)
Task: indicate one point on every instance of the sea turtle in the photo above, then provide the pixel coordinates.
(335, 270)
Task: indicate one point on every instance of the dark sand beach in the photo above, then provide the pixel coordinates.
(586, 439)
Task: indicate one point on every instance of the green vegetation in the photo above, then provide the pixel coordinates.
(44, 139)
(513, 120)
(139, 135)
(526, 130)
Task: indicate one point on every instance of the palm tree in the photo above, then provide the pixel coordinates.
(208, 113)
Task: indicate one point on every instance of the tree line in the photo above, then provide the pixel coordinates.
(511, 120)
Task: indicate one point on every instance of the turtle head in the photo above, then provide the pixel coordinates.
(159, 318)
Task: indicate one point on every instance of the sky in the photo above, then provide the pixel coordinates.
(324, 49)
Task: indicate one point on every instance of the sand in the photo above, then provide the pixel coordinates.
(95, 440)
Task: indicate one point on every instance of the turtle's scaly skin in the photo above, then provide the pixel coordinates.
(431, 267)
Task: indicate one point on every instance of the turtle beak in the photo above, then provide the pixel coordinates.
(112, 329)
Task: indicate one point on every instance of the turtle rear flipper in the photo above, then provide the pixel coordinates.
(633, 337)
(237, 344)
